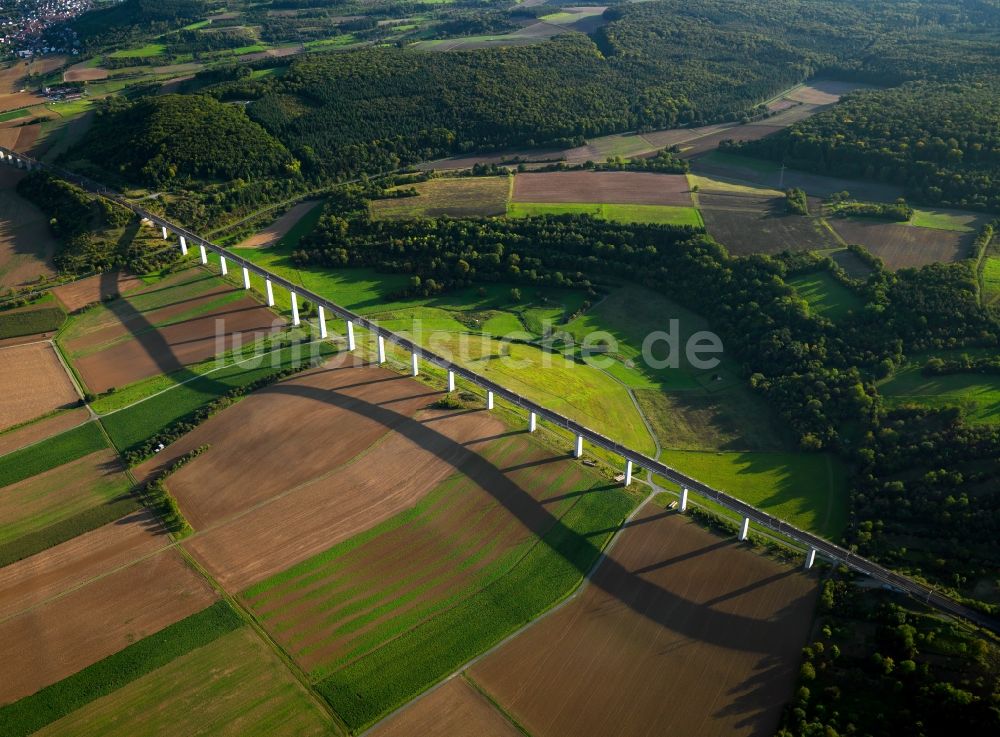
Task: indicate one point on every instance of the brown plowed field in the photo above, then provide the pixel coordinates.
(679, 633)
(167, 349)
(32, 382)
(280, 227)
(606, 187)
(33, 581)
(38, 431)
(746, 232)
(284, 436)
(83, 292)
(824, 91)
(455, 709)
(751, 132)
(472, 527)
(83, 73)
(903, 246)
(58, 638)
(19, 137)
(26, 244)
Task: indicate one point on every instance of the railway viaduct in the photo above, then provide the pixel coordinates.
(811, 545)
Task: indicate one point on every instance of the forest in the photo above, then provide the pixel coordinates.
(941, 142)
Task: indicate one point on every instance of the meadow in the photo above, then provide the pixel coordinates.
(452, 196)
(659, 214)
(30, 321)
(991, 280)
(825, 295)
(976, 395)
(807, 490)
(960, 222)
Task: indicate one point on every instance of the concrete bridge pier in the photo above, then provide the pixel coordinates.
(684, 499)
(295, 309)
(628, 472)
(164, 231)
(532, 422)
(351, 345)
(246, 278)
(451, 381)
(322, 321)
(223, 266)
(578, 450)
(381, 350)
(204, 254)
(489, 400)
(270, 292)
(745, 529)
(184, 246)
(810, 558)
(414, 368)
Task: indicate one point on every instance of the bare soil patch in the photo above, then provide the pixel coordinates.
(455, 709)
(751, 132)
(151, 351)
(680, 632)
(33, 382)
(851, 263)
(82, 292)
(824, 91)
(58, 638)
(33, 581)
(274, 53)
(745, 231)
(38, 431)
(82, 73)
(904, 246)
(280, 227)
(606, 187)
(452, 196)
(26, 244)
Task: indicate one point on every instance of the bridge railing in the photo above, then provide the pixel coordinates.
(823, 547)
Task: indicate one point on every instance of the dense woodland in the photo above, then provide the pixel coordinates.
(941, 142)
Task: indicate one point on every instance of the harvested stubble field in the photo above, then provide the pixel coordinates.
(33, 382)
(20, 137)
(751, 132)
(605, 187)
(95, 605)
(679, 632)
(161, 329)
(903, 246)
(455, 709)
(452, 196)
(78, 294)
(42, 429)
(26, 243)
(744, 231)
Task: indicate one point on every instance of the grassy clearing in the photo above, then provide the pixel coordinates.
(825, 295)
(370, 687)
(961, 222)
(454, 196)
(30, 321)
(660, 214)
(106, 676)
(13, 115)
(150, 49)
(56, 451)
(977, 395)
(132, 426)
(233, 685)
(991, 280)
(808, 490)
(710, 184)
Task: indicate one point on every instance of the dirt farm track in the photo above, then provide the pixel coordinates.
(679, 633)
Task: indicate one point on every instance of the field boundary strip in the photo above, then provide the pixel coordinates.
(928, 594)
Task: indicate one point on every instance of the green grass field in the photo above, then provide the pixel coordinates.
(961, 222)
(409, 651)
(71, 499)
(133, 425)
(150, 49)
(808, 490)
(57, 450)
(106, 676)
(977, 395)
(825, 295)
(991, 280)
(659, 214)
(13, 115)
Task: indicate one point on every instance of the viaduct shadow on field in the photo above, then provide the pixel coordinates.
(723, 629)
